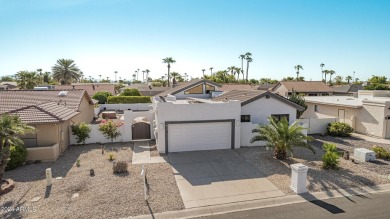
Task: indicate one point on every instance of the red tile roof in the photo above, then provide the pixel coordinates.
(90, 88)
(305, 86)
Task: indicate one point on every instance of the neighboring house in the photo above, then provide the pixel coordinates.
(91, 88)
(368, 114)
(265, 86)
(197, 88)
(308, 88)
(51, 113)
(225, 122)
(8, 85)
(230, 87)
(146, 90)
(347, 90)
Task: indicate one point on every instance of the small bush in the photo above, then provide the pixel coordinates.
(111, 156)
(18, 155)
(157, 84)
(381, 153)
(119, 167)
(101, 96)
(82, 131)
(127, 99)
(339, 129)
(110, 129)
(130, 92)
(330, 160)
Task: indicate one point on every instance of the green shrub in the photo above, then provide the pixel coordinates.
(339, 129)
(18, 155)
(330, 160)
(82, 131)
(157, 84)
(101, 96)
(381, 153)
(130, 92)
(125, 99)
(110, 129)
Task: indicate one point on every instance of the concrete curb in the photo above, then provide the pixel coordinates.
(264, 203)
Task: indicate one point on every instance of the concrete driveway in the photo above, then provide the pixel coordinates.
(218, 177)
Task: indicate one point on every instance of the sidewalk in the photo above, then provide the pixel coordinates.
(271, 202)
(372, 139)
(141, 154)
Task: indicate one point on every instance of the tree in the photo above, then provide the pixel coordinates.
(282, 137)
(338, 79)
(298, 67)
(248, 58)
(147, 75)
(203, 72)
(11, 128)
(169, 61)
(175, 75)
(66, 70)
(27, 80)
(376, 87)
(110, 129)
(301, 78)
(322, 71)
(288, 79)
(242, 57)
(211, 71)
(300, 100)
(101, 96)
(6, 78)
(378, 79)
(331, 72)
(348, 78)
(238, 71)
(130, 92)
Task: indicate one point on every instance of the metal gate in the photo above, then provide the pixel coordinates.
(140, 130)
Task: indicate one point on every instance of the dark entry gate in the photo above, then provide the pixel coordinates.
(141, 130)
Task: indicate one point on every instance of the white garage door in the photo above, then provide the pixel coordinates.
(199, 136)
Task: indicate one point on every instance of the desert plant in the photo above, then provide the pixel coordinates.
(111, 156)
(17, 157)
(130, 92)
(330, 160)
(110, 129)
(381, 153)
(282, 137)
(300, 100)
(101, 96)
(119, 167)
(340, 129)
(127, 99)
(82, 131)
(78, 163)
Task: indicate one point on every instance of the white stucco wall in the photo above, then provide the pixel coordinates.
(247, 135)
(127, 106)
(95, 136)
(167, 111)
(262, 108)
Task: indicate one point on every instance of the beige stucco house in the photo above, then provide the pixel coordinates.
(368, 114)
(307, 88)
(51, 113)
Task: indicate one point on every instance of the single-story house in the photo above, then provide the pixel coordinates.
(368, 114)
(307, 88)
(145, 89)
(265, 86)
(8, 85)
(51, 112)
(91, 88)
(347, 90)
(187, 118)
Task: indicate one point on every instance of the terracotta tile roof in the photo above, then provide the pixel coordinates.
(305, 86)
(265, 86)
(90, 88)
(229, 87)
(145, 90)
(186, 85)
(347, 88)
(50, 112)
(248, 96)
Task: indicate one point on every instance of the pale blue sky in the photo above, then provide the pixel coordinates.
(118, 35)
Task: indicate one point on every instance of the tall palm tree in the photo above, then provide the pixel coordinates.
(147, 74)
(326, 72)
(134, 76)
(100, 78)
(143, 76)
(348, 78)
(211, 71)
(248, 58)
(137, 73)
(65, 70)
(322, 71)
(39, 70)
(175, 75)
(115, 72)
(298, 67)
(282, 137)
(238, 71)
(242, 57)
(203, 72)
(231, 69)
(11, 128)
(331, 72)
(27, 80)
(169, 60)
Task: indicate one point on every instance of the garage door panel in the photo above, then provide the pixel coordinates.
(199, 136)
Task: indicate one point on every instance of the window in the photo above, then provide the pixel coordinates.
(245, 118)
(278, 117)
(209, 88)
(195, 90)
(313, 94)
(315, 108)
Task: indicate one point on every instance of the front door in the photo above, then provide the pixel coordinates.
(141, 130)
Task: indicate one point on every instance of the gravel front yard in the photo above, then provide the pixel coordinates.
(106, 195)
(348, 175)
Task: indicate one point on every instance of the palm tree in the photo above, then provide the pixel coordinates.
(134, 76)
(348, 78)
(137, 73)
(65, 70)
(298, 67)
(100, 78)
(147, 74)
(238, 71)
(203, 72)
(231, 69)
(282, 137)
(169, 60)
(39, 70)
(115, 72)
(331, 72)
(326, 72)
(211, 71)
(174, 75)
(248, 57)
(242, 57)
(11, 128)
(27, 80)
(143, 76)
(46, 77)
(322, 71)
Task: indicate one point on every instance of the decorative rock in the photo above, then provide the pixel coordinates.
(35, 199)
(75, 195)
(92, 172)
(59, 178)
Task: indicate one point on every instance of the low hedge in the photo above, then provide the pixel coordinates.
(129, 99)
(130, 92)
(340, 129)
